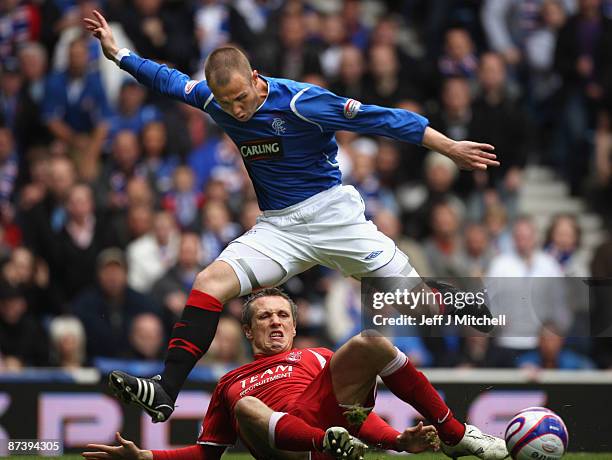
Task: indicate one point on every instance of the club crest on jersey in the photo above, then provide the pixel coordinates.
(351, 108)
(190, 85)
(270, 148)
(294, 357)
(278, 125)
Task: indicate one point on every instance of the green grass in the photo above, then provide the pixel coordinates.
(370, 456)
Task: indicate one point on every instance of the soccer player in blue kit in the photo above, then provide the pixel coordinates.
(284, 131)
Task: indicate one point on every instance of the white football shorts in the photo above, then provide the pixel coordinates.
(328, 229)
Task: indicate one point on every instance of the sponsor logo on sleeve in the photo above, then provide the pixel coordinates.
(270, 148)
(351, 108)
(190, 85)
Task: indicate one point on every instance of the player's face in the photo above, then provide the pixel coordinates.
(272, 327)
(240, 97)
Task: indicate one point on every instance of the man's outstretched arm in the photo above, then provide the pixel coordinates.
(127, 450)
(158, 77)
(467, 154)
(376, 432)
(330, 112)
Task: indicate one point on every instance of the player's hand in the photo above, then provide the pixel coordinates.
(126, 450)
(418, 439)
(472, 155)
(101, 30)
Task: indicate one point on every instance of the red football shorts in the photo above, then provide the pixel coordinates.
(318, 406)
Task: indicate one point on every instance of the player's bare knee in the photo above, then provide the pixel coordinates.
(367, 343)
(359, 344)
(212, 274)
(248, 408)
(217, 280)
(205, 282)
(204, 279)
(201, 279)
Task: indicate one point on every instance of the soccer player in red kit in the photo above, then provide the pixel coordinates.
(287, 398)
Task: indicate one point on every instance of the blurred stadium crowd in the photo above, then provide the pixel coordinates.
(113, 198)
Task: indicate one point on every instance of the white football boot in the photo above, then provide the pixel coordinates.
(478, 444)
(341, 445)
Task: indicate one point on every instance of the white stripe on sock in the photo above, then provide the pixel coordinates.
(274, 418)
(395, 364)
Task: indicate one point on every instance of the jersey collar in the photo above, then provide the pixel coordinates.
(267, 95)
(262, 355)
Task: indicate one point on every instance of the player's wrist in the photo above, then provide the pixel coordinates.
(397, 445)
(435, 140)
(118, 54)
(392, 440)
(452, 149)
(145, 454)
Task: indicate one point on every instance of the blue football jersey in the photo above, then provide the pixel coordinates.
(288, 146)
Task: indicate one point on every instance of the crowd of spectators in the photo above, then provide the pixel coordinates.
(113, 198)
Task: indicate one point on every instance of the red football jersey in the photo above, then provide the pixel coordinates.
(275, 380)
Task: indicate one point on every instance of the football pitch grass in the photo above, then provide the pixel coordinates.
(440, 456)
(370, 456)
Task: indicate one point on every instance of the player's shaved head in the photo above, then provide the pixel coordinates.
(223, 62)
(236, 87)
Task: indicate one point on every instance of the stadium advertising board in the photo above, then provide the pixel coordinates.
(81, 414)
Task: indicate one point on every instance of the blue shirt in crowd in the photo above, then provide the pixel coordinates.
(135, 123)
(80, 103)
